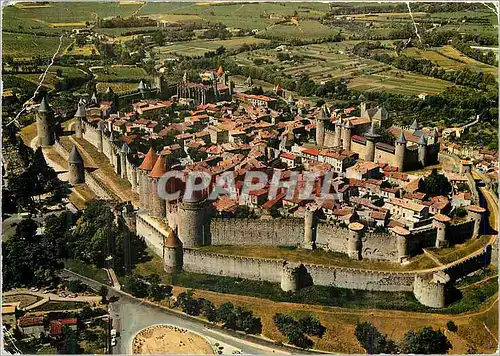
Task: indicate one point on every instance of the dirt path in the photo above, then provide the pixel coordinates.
(432, 257)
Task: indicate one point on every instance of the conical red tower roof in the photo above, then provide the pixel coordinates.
(149, 160)
(220, 70)
(159, 168)
(172, 239)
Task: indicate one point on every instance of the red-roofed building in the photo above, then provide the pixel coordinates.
(56, 326)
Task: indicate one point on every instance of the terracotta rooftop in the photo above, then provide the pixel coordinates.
(159, 168)
(355, 226)
(442, 218)
(400, 230)
(476, 209)
(149, 160)
(173, 240)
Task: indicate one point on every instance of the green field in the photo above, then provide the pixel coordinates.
(304, 30)
(399, 82)
(450, 58)
(117, 87)
(320, 61)
(26, 46)
(200, 47)
(51, 78)
(125, 74)
(48, 17)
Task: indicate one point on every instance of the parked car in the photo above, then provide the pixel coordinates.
(63, 295)
(113, 341)
(34, 289)
(72, 296)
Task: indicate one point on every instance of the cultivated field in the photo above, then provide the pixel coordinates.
(303, 30)
(399, 82)
(200, 47)
(117, 87)
(25, 46)
(450, 58)
(117, 74)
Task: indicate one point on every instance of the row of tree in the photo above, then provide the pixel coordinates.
(231, 317)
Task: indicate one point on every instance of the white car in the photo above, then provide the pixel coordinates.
(113, 341)
(34, 289)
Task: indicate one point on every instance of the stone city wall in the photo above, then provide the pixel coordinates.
(61, 150)
(90, 134)
(275, 232)
(258, 269)
(98, 187)
(152, 236)
(329, 138)
(459, 232)
(470, 264)
(270, 270)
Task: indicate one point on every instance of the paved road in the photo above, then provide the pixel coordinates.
(131, 315)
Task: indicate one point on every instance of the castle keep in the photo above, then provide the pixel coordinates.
(412, 149)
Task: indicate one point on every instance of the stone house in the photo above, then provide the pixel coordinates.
(31, 325)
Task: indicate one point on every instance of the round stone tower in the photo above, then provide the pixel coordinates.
(192, 222)
(401, 243)
(346, 135)
(440, 222)
(309, 228)
(124, 151)
(320, 126)
(422, 150)
(371, 139)
(476, 213)
(354, 244)
(44, 124)
(431, 289)
(79, 116)
(158, 207)
(337, 138)
(172, 253)
(399, 152)
(76, 167)
(144, 180)
(290, 277)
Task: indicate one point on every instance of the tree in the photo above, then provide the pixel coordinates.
(450, 325)
(312, 326)
(136, 286)
(297, 331)
(372, 340)
(69, 343)
(103, 293)
(437, 184)
(208, 310)
(34, 258)
(425, 341)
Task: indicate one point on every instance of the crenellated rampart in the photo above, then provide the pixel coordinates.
(272, 232)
